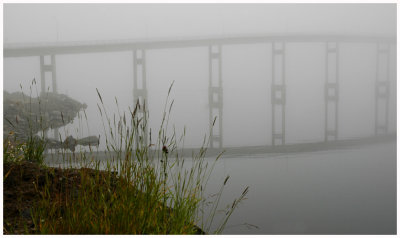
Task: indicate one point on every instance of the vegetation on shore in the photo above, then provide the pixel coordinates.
(139, 190)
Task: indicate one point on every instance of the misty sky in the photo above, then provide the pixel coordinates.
(246, 68)
(70, 22)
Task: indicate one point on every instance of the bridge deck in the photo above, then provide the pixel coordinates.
(49, 48)
(305, 147)
(252, 150)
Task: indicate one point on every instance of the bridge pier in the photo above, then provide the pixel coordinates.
(278, 93)
(140, 93)
(215, 96)
(48, 71)
(215, 91)
(382, 86)
(331, 90)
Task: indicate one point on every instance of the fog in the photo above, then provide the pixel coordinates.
(246, 68)
(350, 190)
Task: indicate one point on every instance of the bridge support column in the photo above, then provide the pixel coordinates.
(382, 86)
(278, 93)
(140, 93)
(48, 71)
(215, 96)
(331, 90)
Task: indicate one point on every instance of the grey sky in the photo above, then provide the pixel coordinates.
(68, 22)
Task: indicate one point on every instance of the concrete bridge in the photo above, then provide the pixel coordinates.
(214, 45)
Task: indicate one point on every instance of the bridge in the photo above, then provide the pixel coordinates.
(214, 45)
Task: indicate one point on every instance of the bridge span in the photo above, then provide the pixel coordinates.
(48, 51)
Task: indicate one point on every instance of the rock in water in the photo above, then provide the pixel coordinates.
(25, 116)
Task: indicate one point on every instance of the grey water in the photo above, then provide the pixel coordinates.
(350, 191)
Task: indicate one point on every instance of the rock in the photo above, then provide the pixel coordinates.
(25, 116)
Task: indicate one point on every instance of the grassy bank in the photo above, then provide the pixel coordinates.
(145, 186)
(40, 200)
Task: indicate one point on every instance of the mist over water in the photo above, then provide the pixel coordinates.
(330, 192)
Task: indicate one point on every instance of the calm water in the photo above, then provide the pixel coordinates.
(350, 191)
(337, 192)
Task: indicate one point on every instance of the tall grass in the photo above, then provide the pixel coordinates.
(156, 191)
(33, 147)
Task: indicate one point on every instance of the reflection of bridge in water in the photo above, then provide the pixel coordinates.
(383, 44)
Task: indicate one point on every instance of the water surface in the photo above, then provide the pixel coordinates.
(350, 191)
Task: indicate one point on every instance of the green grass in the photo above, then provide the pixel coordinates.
(33, 148)
(156, 190)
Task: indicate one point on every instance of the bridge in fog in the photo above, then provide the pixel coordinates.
(214, 45)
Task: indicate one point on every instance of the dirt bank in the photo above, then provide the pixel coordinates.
(23, 185)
